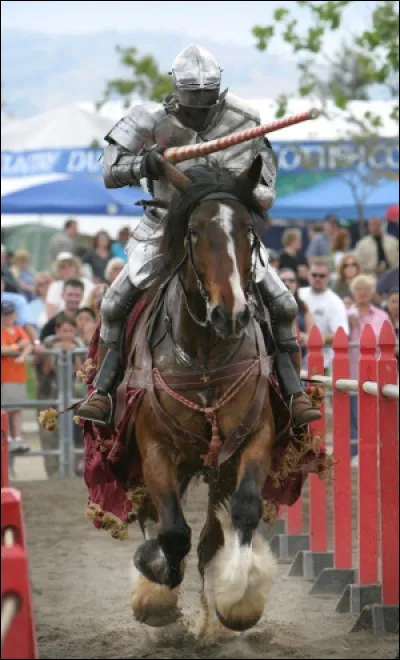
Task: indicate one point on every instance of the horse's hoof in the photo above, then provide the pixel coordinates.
(238, 624)
(153, 604)
(151, 562)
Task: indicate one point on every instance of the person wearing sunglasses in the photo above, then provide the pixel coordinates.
(327, 309)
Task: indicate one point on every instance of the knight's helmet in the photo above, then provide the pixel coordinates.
(196, 78)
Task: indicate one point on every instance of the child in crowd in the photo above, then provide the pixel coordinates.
(15, 347)
(65, 339)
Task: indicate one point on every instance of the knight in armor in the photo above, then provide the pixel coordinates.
(197, 111)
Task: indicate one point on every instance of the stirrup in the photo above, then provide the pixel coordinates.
(110, 416)
(290, 406)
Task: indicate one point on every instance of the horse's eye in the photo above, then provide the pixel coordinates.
(194, 233)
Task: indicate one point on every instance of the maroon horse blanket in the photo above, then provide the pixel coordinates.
(112, 465)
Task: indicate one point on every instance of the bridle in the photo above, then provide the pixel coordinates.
(252, 293)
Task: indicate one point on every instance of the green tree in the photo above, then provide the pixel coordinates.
(94, 144)
(145, 79)
(370, 57)
(368, 60)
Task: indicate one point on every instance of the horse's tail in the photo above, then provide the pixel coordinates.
(242, 576)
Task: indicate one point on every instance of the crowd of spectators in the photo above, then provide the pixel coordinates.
(335, 285)
(47, 311)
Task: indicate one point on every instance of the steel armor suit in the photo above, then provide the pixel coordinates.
(196, 112)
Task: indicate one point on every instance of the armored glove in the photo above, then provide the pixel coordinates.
(151, 165)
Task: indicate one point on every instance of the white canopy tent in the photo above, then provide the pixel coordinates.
(68, 126)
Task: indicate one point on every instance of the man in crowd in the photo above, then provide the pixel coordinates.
(63, 241)
(72, 296)
(378, 251)
(291, 258)
(321, 244)
(328, 310)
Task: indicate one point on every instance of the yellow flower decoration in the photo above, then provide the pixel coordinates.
(48, 419)
(89, 369)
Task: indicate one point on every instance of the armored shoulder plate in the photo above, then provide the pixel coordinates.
(239, 106)
(136, 129)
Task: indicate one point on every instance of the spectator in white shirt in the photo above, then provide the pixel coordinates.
(66, 267)
(328, 310)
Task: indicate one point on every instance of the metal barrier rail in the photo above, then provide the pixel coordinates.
(351, 385)
(66, 450)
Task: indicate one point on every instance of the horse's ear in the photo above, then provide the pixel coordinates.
(174, 176)
(253, 173)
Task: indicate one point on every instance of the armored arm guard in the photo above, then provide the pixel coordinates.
(127, 140)
(238, 116)
(265, 191)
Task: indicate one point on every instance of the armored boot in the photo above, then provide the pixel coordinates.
(99, 407)
(301, 406)
(282, 307)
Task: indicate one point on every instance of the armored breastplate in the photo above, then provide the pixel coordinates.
(169, 132)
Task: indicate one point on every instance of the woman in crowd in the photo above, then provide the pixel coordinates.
(23, 273)
(99, 256)
(113, 269)
(349, 267)
(361, 313)
(340, 246)
(38, 304)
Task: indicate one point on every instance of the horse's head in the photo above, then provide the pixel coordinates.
(211, 223)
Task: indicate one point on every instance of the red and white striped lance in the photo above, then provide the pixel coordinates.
(179, 154)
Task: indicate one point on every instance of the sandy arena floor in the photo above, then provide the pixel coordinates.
(81, 592)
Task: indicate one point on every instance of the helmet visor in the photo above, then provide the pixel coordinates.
(198, 98)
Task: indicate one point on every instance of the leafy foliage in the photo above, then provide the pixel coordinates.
(145, 79)
(369, 58)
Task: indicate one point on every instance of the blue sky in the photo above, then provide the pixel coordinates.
(224, 20)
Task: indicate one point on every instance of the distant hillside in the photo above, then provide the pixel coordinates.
(40, 72)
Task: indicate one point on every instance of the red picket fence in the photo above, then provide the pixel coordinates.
(372, 557)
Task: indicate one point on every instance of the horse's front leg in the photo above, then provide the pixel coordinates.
(246, 504)
(160, 559)
(243, 569)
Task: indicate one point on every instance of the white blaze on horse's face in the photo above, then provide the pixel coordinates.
(225, 221)
(229, 322)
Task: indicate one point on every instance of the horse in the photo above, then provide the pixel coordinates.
(201, 357)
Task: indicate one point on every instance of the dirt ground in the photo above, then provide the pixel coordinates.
(81, 592)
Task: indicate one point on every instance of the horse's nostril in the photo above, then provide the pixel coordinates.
(243, 318)
(218, 316)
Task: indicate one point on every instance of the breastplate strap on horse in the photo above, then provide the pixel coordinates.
(152, 380)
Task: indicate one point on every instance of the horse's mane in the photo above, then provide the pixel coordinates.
(205, 180)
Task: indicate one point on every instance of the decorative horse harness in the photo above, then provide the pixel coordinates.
(152, 380)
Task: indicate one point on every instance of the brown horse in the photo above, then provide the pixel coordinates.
(202, 359)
